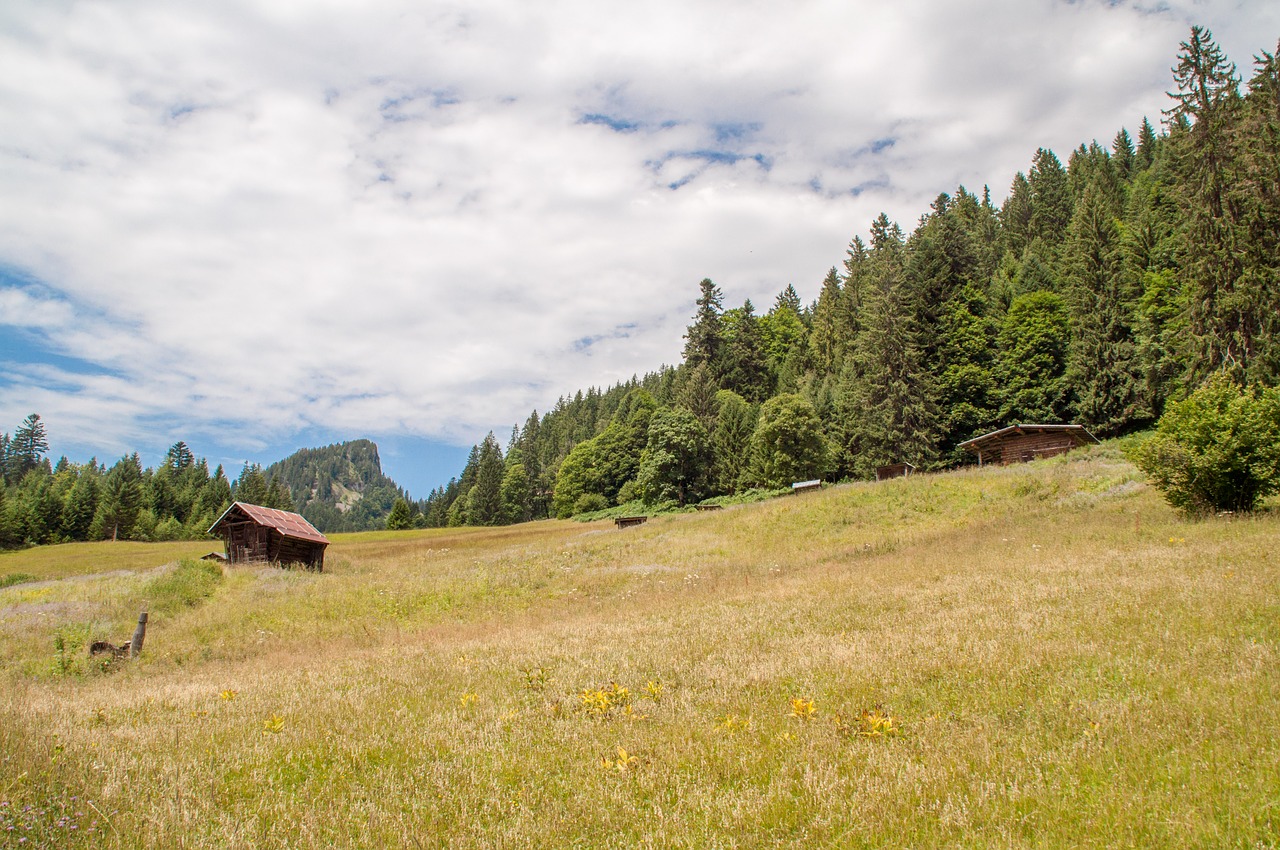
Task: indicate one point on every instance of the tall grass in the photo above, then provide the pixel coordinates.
(1034, 656)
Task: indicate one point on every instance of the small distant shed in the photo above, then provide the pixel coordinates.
(214, 556)
(805, 486)
(254, 533)
(894, 470)
(1021, 443)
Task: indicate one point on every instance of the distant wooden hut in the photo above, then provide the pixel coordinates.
(254, 533)
(894, 470)
(1021, 443)
(806, 486)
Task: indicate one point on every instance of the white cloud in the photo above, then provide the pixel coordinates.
(403, 217)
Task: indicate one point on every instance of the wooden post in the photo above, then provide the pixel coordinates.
(135, 645)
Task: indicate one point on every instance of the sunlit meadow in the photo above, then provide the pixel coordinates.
(1041, 655)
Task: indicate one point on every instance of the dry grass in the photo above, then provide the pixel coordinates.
(1064, 662)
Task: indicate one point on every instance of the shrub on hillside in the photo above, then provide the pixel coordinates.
(1219, 450)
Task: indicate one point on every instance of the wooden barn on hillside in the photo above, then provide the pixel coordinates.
(1021, 443)
(254, 533)
(894, 470)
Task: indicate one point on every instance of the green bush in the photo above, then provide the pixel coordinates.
(590, 502)
(1219, 450)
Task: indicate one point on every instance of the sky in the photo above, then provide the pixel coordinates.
(263, 225)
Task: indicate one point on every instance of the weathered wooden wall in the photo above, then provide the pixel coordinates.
(248, 542)
(1019, 448)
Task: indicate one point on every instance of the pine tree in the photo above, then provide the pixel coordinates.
(1124, 155)
(80, 504)
(278, 496)
(179, 456)
(893, 414)
(696, 391)
(1032, 361)
(735, 423)
(26, 449)
(1051, 203)
(121, 500)
(1103, 367)
(1015, 216)
(1228, 313)
(1147, 142)
(784, 336)
(829, 327)
(746, 370)
(704, 339)
(401, 517)
(484, 501)
(1256, 195)
(251, 487)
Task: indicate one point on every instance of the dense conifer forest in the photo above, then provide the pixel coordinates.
(1099, 290)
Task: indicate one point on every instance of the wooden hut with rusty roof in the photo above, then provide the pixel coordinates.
(268, 535)
(1021, 443)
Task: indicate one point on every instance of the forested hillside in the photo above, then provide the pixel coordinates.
(1098, 290)
(42, 502)
(339, 487)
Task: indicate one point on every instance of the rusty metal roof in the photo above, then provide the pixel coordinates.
(1077, 431)
(286, 522)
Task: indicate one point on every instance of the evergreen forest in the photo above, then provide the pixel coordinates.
(179, 499)
(1097, 292)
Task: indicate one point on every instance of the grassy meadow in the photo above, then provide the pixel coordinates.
(1033, 656)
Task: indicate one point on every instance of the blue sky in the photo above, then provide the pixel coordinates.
(258, 226)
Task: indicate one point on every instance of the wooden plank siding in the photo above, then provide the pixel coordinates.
(1022, 443)
(254, 534)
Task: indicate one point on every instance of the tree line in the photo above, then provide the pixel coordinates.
(1097, 292)
(46, 502)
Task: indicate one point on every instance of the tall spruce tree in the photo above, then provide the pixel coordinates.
(484, 500)
(1228, 314)
(1051, 201)
(26, 449)
(121, 500)
(704, 340)
(1103, 368)
(829, 326)
(894, 412)
(745, 367)
(735, 422)
(1032, 361)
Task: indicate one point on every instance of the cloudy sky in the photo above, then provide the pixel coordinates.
(258, 225)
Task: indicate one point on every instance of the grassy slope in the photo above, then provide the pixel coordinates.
(1068, 662)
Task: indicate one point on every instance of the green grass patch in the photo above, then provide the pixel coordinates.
(16, 578)
(187, 585)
